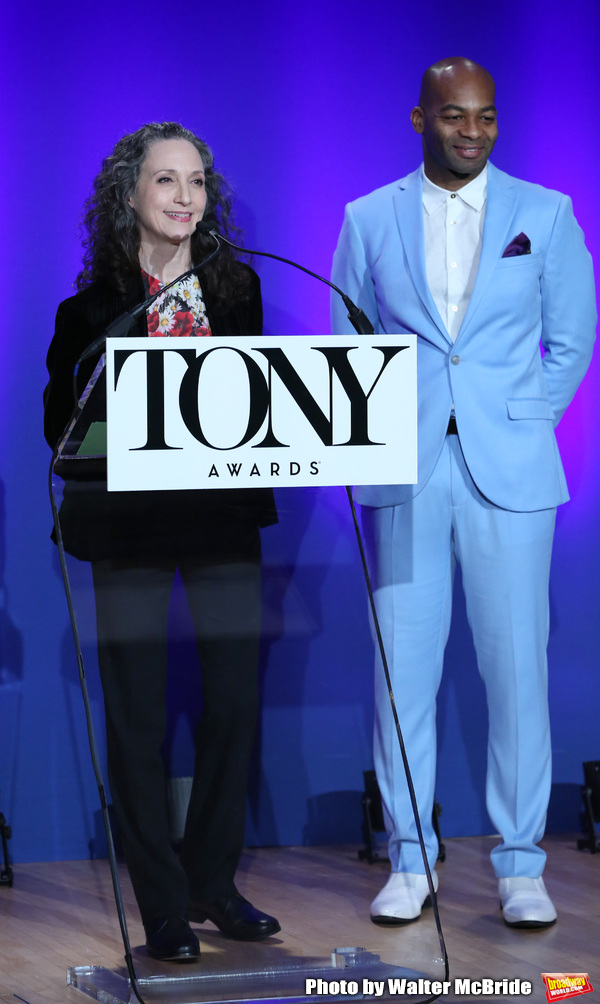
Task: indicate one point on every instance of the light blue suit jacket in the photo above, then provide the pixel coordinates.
(507, 398)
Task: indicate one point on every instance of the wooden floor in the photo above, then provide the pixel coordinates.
(62, 914)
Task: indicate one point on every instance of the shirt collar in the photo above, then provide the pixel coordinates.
(473, 195)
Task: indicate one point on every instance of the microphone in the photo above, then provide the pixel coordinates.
(356, 316)
(123, 324)
(206, 228)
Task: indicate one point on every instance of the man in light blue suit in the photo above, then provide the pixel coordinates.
(483, 268)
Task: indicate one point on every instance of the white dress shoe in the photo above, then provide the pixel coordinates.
(525, 902)
(402, 898)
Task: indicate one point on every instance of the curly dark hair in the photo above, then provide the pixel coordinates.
(112, 236)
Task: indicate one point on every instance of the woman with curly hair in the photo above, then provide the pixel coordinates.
(141, 220)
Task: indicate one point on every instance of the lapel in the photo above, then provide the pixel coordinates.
(101, 304)
(499, 212)
(408, 206)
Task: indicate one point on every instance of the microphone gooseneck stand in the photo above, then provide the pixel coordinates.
(357, 316)
(121, 327)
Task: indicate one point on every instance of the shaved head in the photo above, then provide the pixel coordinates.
(448, 72)
(456, 118)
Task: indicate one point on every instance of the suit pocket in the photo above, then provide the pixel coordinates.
(529, 407)
(520, 261)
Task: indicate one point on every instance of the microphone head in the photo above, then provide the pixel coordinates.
(204, 227)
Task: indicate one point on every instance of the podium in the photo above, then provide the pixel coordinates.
(340, 954)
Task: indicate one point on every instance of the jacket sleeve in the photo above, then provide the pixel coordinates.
(352, 274)
(79, 321)
(71, 336)
(568, 309)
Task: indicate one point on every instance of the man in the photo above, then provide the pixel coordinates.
(482, 267)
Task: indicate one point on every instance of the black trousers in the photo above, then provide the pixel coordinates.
(132, 606)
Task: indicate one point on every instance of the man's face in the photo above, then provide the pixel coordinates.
(457, 120)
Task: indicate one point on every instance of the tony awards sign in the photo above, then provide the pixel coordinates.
(250, 412)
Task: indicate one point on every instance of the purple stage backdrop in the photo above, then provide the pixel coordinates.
(306, 106)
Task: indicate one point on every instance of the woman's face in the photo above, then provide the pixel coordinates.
(170, 197)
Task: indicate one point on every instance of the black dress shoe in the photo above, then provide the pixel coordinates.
(171, 939)
(235, 917)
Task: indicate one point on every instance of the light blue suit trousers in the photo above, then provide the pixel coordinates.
(505, 563)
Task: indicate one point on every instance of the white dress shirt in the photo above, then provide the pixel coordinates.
(453, 223)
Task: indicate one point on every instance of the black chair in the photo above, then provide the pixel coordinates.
(590, 792)
(373, 821)
(6, 874)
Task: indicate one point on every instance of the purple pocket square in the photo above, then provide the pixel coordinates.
(519, 245)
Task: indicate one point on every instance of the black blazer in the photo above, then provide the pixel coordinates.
(211, 525)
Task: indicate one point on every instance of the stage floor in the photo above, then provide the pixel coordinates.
(62, 914)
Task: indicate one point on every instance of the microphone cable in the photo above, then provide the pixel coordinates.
(363, 326)
(112, 858)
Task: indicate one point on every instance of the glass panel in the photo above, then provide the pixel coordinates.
(150, 564)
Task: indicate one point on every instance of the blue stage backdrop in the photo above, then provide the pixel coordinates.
(306, 106)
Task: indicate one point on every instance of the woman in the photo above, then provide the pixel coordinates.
(141, 233)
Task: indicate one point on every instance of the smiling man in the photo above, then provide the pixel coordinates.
(483, 268)
(456, 116)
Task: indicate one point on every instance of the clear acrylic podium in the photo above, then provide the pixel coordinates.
(340, 954)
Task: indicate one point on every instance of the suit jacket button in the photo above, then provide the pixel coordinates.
(455, 360)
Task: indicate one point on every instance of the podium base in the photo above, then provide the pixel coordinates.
(299, 981)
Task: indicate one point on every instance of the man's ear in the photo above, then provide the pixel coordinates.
(417, 117)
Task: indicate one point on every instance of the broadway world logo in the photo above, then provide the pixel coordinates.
(559, 986)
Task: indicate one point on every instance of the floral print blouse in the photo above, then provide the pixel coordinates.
(179, 311)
